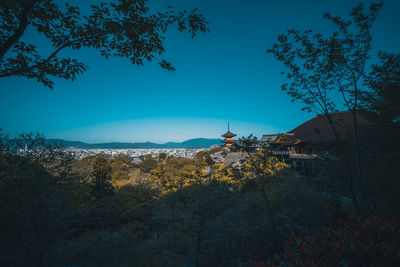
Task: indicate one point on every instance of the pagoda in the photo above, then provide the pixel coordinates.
(228, 137)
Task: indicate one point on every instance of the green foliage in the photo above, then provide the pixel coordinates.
(120, 175)
(35, 201)
(148, 164)
(100, 179)
(187, 213)
(319, 66)
(160, 176)
(121, 162)
(384, 82)
(179, 173)
(325, 71)
(180, 163)
(120, 178)
(115, 28)
(56, 211)
(264, 169)
(204, 158)
(264, 166)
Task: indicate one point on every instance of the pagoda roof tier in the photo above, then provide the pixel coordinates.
(229, 134)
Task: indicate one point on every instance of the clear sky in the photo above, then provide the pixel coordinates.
(223, 76)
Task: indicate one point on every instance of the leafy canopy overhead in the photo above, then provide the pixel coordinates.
(122, 28)
(322, 69)
(384, 81)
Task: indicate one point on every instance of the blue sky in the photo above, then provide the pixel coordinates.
(221, 76)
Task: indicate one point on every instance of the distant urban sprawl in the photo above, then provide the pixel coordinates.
(134, 154)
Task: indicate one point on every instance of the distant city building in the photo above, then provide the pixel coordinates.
(228, 137)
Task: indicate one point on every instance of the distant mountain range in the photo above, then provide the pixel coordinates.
(188, 144)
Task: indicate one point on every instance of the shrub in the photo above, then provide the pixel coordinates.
(148, 164)
(371, 241)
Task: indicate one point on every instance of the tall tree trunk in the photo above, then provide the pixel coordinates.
(355, 136)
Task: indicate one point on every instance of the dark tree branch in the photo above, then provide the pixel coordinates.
(23, 23)
(43, 62)
(123, 29)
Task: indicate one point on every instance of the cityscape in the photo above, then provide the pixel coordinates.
(134, 154)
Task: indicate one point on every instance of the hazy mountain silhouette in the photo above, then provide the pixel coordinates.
(191, 143)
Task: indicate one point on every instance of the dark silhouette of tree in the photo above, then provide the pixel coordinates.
(100, 179)
(35, 197)
(384, 82)
(248, 144)
(123, 28)
(323, 69)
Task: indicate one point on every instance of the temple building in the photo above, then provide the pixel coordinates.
(228, 137)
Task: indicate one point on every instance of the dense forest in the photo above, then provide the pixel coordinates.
(59, 211)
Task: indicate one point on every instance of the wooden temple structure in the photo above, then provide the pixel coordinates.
(300, 147)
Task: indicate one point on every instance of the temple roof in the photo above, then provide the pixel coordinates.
(287, 139)
(228, 134)
(318, 129)
(269, 138)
